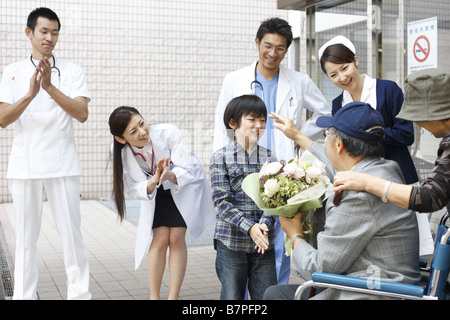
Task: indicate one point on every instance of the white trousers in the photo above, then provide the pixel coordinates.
(63, 196)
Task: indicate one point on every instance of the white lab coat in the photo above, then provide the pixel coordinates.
(43, 145)
(192, 194)
(296, 91)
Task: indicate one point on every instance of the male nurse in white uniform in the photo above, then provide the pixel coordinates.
(284, 91)
(41, 96)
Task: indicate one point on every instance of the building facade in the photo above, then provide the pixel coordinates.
(166, 58)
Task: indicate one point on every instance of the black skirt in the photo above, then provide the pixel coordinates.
(166, 212)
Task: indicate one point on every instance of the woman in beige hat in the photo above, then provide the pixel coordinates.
(427, 103)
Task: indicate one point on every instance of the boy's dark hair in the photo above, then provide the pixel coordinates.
(242, 106)
(275, 25)
(41, 12)
(336, 53)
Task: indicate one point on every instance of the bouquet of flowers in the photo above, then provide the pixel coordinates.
(283, 189)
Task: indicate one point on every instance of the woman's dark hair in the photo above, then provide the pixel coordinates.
(275, 25)
(118, 122)
(242, 106)
(41, 12)
(336, 53)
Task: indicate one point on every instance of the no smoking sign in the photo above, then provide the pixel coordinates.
(421, 49)
(422, 44)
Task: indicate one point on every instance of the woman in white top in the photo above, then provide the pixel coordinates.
(152, 163)
(340, 64)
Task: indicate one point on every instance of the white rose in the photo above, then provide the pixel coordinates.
(299, 173)
(271, 187)
(293, 170)
(290, 168)
(273, 168)
(314, 172)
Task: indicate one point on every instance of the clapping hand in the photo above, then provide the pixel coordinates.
(41, 76)
(164, 171)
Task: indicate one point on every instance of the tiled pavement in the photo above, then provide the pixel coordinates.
(110, 247)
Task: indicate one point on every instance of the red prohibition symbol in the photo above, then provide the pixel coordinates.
(418, 48)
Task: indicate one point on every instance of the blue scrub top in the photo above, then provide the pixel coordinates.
(269, 96)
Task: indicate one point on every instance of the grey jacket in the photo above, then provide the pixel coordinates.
(362, 236)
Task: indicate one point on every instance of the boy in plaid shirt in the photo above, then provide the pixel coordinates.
(244, 234)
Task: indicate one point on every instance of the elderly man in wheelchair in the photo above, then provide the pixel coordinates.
(363, 236)
(369, 246)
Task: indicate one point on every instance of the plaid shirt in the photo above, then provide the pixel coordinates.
(236, 212)
(434, 193)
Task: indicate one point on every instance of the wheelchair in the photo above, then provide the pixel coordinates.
(436, 287)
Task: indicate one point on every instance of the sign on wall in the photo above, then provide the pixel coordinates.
(422, 44)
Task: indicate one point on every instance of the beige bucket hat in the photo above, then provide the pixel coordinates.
(427, 96)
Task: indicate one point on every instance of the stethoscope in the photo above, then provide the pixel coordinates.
(137, 154)
(54, 67)
(257, 83)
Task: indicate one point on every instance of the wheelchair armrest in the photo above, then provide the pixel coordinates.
(365, 283)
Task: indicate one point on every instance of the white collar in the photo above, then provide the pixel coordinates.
(368, 94)
(369, 85)
(145, 149)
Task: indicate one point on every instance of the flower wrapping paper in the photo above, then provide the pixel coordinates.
(304, 201)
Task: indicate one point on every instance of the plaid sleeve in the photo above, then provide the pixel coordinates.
(223, 197)
(268, 220)
(434, 194)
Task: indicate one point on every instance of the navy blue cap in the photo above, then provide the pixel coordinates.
(358, 120)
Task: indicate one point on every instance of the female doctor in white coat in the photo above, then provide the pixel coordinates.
(152, 163)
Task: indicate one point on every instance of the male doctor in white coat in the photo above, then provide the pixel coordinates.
(284, 91)
(40, 96)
